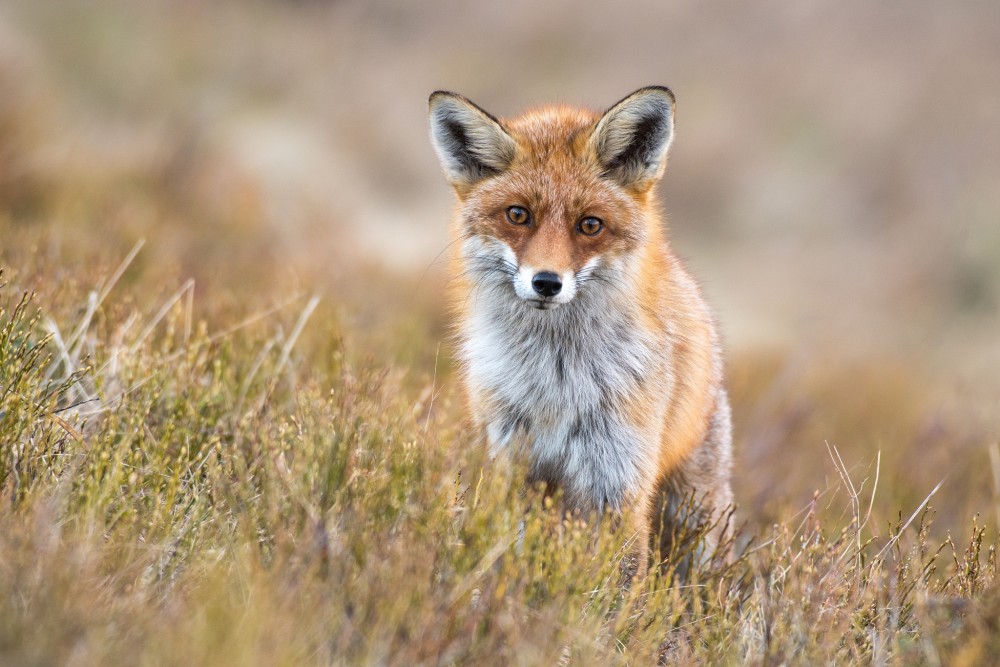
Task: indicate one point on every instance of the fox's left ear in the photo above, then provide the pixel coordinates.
(632, 138)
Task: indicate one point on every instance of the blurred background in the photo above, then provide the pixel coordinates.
(834, 184)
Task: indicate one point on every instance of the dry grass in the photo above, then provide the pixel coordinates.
(228, 436)
(242, 489)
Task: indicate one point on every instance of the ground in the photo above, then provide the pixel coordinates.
(230, 428)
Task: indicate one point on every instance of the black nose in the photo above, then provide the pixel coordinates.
(546, 283)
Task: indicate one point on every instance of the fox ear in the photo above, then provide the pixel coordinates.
(632, 138)
(469, 142)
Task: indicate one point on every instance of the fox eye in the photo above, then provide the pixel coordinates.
(590, 226)
(518, 215)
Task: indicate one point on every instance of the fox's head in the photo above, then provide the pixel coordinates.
(556, 198)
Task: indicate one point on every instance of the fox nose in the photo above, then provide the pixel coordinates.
(546, 283)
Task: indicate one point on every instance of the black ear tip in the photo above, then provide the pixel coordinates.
(663, 90)
(439, 95)
(659, 95)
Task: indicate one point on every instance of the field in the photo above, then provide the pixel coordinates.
(230, 428)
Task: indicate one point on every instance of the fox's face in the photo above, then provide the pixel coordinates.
(554, 201)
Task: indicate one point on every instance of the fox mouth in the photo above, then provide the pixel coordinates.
(543, 304)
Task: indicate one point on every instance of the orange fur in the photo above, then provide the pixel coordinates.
(673, 406)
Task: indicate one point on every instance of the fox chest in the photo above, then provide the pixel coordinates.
(564, 396)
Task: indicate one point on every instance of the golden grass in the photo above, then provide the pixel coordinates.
(232, 483)
(238, 443)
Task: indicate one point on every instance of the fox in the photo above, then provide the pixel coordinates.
(581, 339)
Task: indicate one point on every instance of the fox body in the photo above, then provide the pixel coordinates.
(582, 339)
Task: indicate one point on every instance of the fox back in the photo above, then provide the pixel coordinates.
(582, 339)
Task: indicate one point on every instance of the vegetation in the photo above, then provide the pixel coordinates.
(228, 437)
(245, 489)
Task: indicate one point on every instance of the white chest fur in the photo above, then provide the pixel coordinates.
(561, 382)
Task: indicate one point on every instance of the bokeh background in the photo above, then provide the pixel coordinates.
(834, 184)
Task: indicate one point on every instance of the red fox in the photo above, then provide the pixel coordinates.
(581, 336)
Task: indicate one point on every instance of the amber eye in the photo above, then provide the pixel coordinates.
(590, 226)
(518, 215)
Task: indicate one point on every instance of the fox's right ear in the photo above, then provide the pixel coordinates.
(469, 142)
